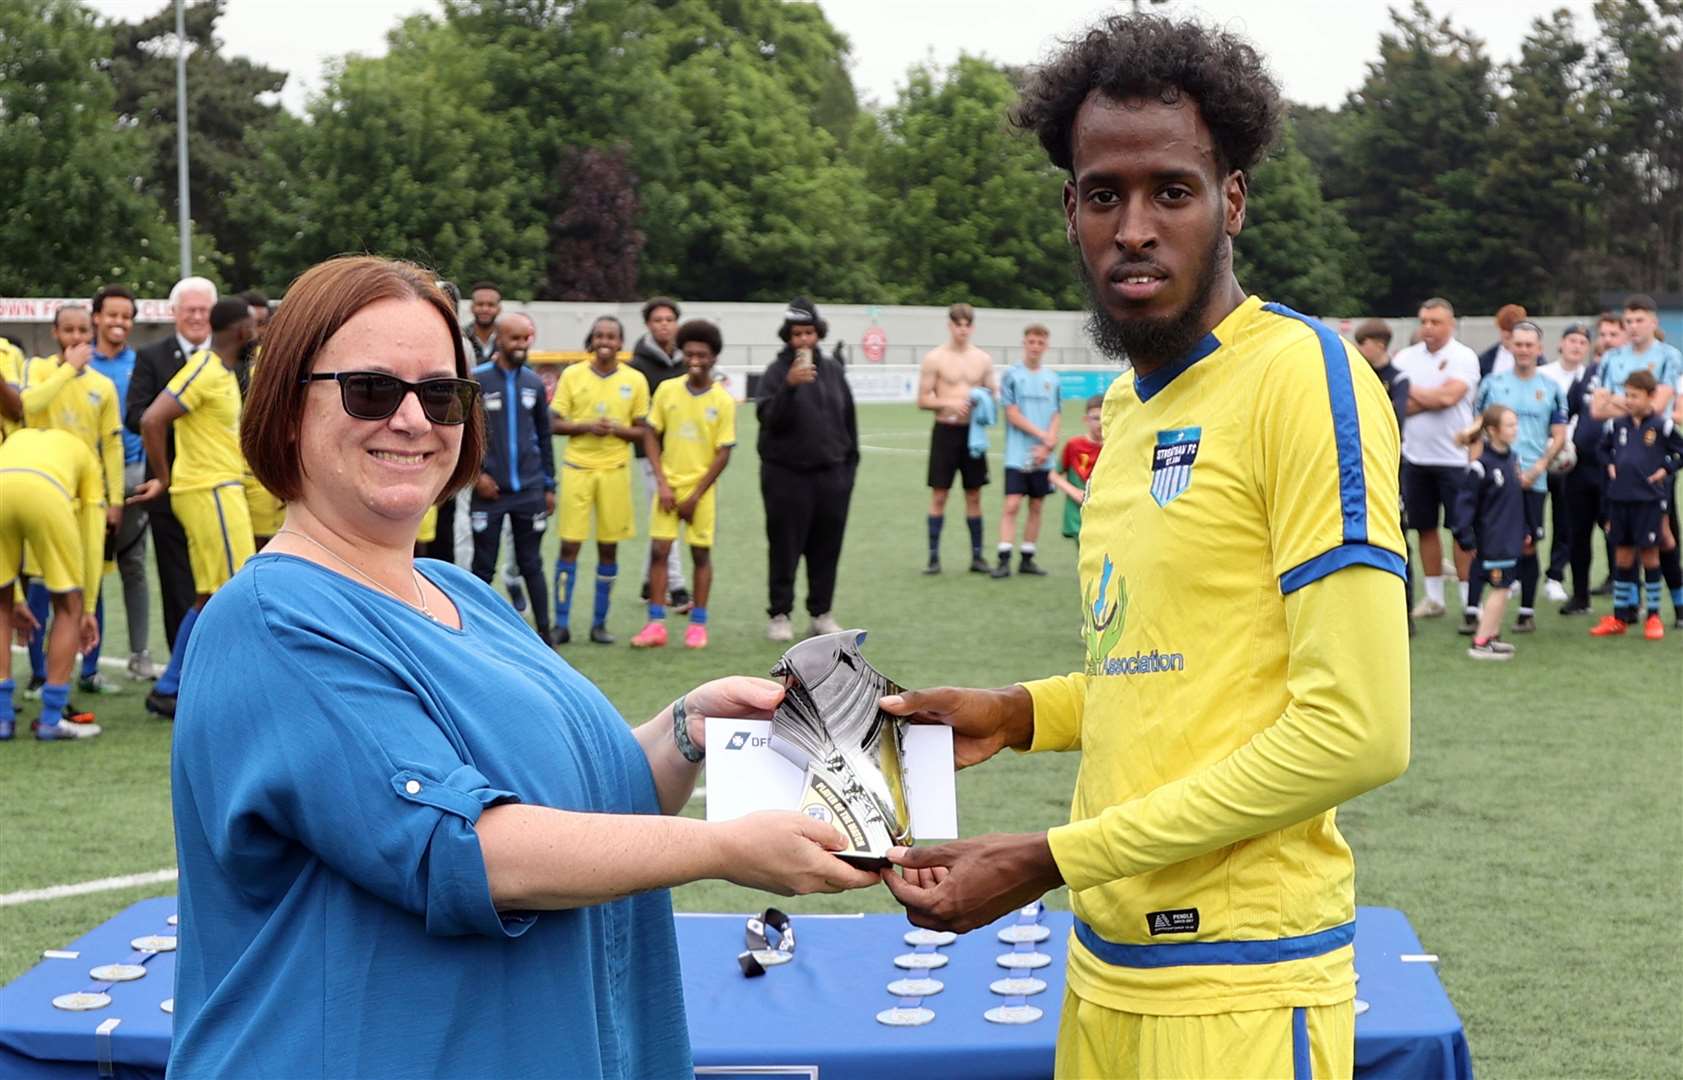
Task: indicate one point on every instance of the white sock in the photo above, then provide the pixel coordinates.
(1472, 611)
(1462, 588)
(1028, 550)
(1434, 589)
(1526, 611)
(1004, 548)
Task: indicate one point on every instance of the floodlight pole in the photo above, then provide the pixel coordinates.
(186, 221)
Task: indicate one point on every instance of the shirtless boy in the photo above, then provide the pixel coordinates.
(950, 374)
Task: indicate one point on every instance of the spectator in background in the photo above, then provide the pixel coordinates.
(259, 305)
(1643, 350)
(516, 480)
(1031, 400)
(657, 356)
(1373, 341)
(1585, 481)
(481, 333)
(809, 453)
(1499, 357)
(113, 320)
(446, 522)
(1565, 372)
(949, 378)
(1609, 333)
(1443, 376)
(154, 366)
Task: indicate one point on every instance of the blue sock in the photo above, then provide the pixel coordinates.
(1653, 591)
(170, 681)
(698, 615)
(6, 710)
(1677, 599)
(605, 575)
(975, 524)
(1626, 594)
(565, 574)
(657, 611)
(40, 603)
(90, 659)
(54, 697)
(935, 524)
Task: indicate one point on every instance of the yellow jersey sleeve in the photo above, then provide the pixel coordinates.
(111, 445)
(727, 417)
(639, 392)
(1327, 457)
(1058, 705)
(561, 404)
(43, 378)
(661, 404)
(1345, 731)
(189, 385)
(90, 513)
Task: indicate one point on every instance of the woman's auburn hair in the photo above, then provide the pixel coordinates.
(318, 303)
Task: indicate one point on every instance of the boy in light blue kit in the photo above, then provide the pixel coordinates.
(1029, 395)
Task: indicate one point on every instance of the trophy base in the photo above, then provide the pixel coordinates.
(864, 860)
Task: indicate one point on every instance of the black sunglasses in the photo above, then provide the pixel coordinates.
(374, 395)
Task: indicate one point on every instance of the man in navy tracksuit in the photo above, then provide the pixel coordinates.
(517, 478)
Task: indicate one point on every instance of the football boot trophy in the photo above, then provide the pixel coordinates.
(829, 724)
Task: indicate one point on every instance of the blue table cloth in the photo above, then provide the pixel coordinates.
(818, 1012)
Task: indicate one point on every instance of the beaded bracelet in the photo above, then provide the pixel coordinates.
(681, 734)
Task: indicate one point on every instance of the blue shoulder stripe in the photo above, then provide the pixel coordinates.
(1329, 562)
(1346, 425)
(196, 372)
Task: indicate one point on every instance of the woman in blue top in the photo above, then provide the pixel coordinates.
(412, 841)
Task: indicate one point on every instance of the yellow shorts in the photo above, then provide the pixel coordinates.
(37, 514)
(699, 529)
(218, 528)
(1290, 1044)
(608, 493)
(429, 527)
(267, 512)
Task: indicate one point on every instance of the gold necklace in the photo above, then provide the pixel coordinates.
(420, 593)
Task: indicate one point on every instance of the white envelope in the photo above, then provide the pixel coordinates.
(745, 774)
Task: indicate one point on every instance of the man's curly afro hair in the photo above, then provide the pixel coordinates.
(1126, 57)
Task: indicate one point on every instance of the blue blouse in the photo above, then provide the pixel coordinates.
(333, 749)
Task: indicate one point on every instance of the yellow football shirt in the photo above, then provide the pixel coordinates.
(207, 439)
(56, 395)
(1241, 572)
(693, 427)
(65, 460)
(11, 373)
(583, 395)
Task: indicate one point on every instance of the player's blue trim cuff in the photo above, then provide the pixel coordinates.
(1150, 386)
(1300, 1067)
(1182, 953)
(1498, 564)
(1346, 425)
(177, 398)
(1330, 562)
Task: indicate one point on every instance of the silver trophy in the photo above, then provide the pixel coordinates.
(853, 752)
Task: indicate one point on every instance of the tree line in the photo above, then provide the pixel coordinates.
(607, 149)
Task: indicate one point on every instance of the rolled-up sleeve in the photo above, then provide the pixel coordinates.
(310, 744)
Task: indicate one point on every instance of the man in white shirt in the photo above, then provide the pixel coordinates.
(1566, 372)
(1443, 376)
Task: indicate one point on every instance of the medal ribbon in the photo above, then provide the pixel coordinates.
(754, 936)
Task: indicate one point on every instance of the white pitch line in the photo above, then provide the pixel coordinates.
(80, 888)
(698, 793)
(104, 661)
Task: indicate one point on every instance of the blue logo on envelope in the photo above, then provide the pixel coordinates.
(1171, 463)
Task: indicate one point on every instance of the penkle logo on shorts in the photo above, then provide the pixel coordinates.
(1103, 616)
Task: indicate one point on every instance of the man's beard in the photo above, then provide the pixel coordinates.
(1158, 340)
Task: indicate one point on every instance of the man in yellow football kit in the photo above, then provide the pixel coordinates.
(52, 500)
(1241, 582)
(600, 406)
(65, 391)
(692, 428)
(206, 483)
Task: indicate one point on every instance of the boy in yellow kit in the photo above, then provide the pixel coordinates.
(206, 485)
(600, 406)
(1242, 569)
(692, 428)
(52, 499)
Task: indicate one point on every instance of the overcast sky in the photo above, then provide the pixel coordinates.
(1319, 48)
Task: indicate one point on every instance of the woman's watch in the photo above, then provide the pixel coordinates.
(681, 734)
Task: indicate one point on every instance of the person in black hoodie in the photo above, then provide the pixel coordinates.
(657, 356)
(809, 452)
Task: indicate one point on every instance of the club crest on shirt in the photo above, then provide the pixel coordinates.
(1171, 463)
